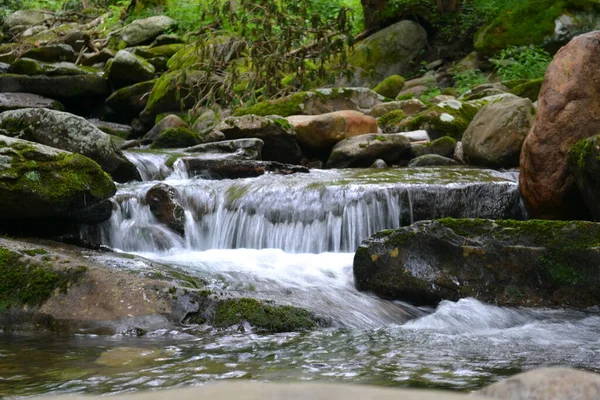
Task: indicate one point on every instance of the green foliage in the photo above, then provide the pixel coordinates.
(466, 80)
(525, 62)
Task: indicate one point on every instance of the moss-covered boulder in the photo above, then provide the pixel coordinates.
(316, 102)
(362, 151)
(37, 181)
(584, 165)
(484, 90)
(387, 52)
(69, 132)
(551, 23)
(517, 263)
(52, 53)
(530, 89)
(390, 86)
(129, 101)
(443, 146)
(409, 107)
(77, 86)
(31, 67)
(389, 122)
(449, 118)
(144, 31)
(127, 67)
(431, 160)
(173, 138)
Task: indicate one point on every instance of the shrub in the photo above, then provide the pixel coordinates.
(523, 62)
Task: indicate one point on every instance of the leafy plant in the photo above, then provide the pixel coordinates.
(523, 62)
(464, 81)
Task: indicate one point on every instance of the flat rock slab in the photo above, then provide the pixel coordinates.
(56, 86)
(233, 169)
(15, 101)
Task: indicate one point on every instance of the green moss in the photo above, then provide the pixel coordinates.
(26, 283)
(269, 318)
(283, 123)
(234, 193)
(34, 252)
(390, 86)
(530, 89)
(437, 123)
(176, 138)
(388, 121)
(284, 107)
(405, 96)
(579, 153)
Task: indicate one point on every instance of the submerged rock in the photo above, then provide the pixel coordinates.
(364, 150)
(518, 263)
(163, 203)
(69, 132)
(38, 181)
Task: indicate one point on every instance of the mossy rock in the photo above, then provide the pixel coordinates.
(128, 67)
(39, 181)
(533, 22)
(443, 146)
(176, 138)
(530, 89)
(449, 118)
(431, 160)
(166, 50)
(584, 164)
(31, 67)
(76, 86)
(130, 100)
(551, 263)
(193, 56)
(389, 121)
(263, 316)
(390, 86)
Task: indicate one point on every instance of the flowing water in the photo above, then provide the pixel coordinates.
(290, 239)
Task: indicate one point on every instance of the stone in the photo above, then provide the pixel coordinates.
(131, 100)
(69, 132)
(25, 18)
(206, 122)
(145, 30)
(483, 90)
(168, 122)
(244, 149)
(450, 118)
(101, 57)
(530, 89)
(510, 263)
(418, 136)
(127, 67)
(38, 181)
(165, 39)
(408, 107)
(78, 86)
(443, 146)
(278, 135)
(389, 51)
(584, 164)
(390, 86)
(414, 91)
(546, 383)
(51, 53)
(236, 169)
(362, 151)
(495, 136)
(431, 160)
(388, 123)
(112, 128)
(319, 101)
(176, 138)
(164, 205)
(30, 67)
(442, 98)
(379, 164)
(317, 135)
(568, 111)
(15, 101)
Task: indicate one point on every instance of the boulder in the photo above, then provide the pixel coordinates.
(408, 107)
(317, 135)
(15, 101)
(516, 263)
(205, 123)
(443, 146)
(24, 18)
(584, 164)
(51, 53)
(243, 149)
(38, 181)
(546, 383)
(278, 135)
(30, 67)
(568, 111)
(69, 132)
(163, 203)
(129, 101)
(495, 136)
(390, 51)
(362, 151)
(176, 138)
(79, 86)
(431, 160)
(142, 31)
(483, 90)
(235, 169)
(112, 128)
(319, 101)
(101, 57)
(390, 86)
(529, 89)
(127, 67)
(168, 122)
(389, 122)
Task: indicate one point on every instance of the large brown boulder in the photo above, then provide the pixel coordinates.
(568, 111)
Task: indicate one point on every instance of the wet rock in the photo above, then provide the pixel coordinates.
(388, 52)
(318, 134)
(145, 30)
(244, 149)
(52, 53)
(517, 263)
(431, 160)
(278, 135)
(408, 107)
(234, 169)
(164, 205)
(131, 357)
(126, 67)
(584, 164)
(495, 136)
(364, 150)
(15, 101)
(568, 111)
(546, 383)
(319, 101)
(379, 164)
(30, 67)
(459, 154)
(80, 86)
(129, 101)
(38, 181)
(69, 132)
(443, 146)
